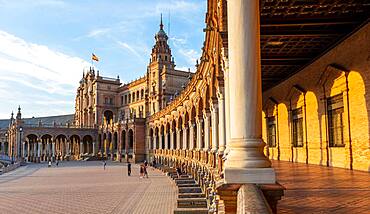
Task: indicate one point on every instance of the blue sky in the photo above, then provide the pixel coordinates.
(46, 44)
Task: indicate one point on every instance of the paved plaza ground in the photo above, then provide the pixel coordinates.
(319, 189)
(84, 187)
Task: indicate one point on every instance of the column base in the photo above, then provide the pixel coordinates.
(250, 175)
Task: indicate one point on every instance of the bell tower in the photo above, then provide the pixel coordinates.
(161, 61)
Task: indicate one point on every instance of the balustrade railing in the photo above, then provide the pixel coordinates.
(38, 125)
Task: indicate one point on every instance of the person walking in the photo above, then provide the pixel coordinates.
(178, 170)
(57, 163)
(104, 164)
(49, 164)
(154, 163)
(128, 168)
(146, 171)
(141, 170)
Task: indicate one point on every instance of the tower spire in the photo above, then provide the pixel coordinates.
(161, 25)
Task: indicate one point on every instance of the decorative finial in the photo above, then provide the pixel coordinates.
(118, 77)
(19, 108)
(161, 25)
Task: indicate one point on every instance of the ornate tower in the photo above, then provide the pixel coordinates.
(19, 114)
(161, 61)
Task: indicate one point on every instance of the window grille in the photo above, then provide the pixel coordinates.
(271, 131)
(297, 127)
(335, 120)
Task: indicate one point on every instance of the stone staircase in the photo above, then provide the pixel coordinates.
(191, 199)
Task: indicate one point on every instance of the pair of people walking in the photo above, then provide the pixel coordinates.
(143, 170)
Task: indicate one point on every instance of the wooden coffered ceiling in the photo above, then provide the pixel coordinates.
(295, 32)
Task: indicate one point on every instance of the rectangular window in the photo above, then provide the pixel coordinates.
(271, 131)
(126, 99)
(105, 100)
(335, 120)
(111, 101)
(297, 127)
(122, 100)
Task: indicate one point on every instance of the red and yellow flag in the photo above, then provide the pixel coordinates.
(94, 57)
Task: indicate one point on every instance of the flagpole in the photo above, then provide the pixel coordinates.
(92, 62)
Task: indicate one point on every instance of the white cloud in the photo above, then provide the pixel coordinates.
(98, 32)
(177, 6)
(131, 49)
(190, 55)
(28, 69)
(27, 3)
(183, 68)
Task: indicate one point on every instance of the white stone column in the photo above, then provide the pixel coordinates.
(155, 141)
(246, 162)
(160, 139)
(28, 150)
(191, 135)
(214, 113)
(184, 137)
(53, 149)
(206, 119)
(149, 143)
(221, 125)
(199, 134)
(39, 149)
(178, 138)
(35, 150)
(172, 139)
(82, 146)
(166, 139)
(23, 149)
(93, 151)
(47, 150)
(69, 147)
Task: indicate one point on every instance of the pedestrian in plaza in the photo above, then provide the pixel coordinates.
(49, 164)
(141, 170)
(145, 171)
(154, 163)
(128, 168)
(178, 170)
(57, 163)
(104, 164)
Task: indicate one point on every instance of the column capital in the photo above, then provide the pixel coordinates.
(198, 120)
(220, 93)
(206, 115)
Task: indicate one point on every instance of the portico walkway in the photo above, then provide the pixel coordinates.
(319, 189)
(84, 187)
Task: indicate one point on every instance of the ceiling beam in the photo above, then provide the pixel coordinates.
(301, 33)
(287, 22)
(271, 79)
(284, 61)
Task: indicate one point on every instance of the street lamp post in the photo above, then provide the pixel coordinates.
(7, 144)
(19, 151)
(127, 150)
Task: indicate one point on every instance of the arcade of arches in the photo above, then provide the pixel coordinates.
(314, 108)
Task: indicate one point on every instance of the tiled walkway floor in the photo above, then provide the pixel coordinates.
(84, 187)
(319, 189)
